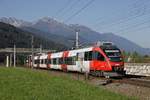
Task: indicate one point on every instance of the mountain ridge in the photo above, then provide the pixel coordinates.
(66, 34)
(10, 35)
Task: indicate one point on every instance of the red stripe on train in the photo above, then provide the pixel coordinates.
(65, 55)
(48, 58)
(100, 65)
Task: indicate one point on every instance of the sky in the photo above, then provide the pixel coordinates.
(126, 18)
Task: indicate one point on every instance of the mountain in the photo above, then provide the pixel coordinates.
(48, 36)
(62, 33)
(15, 22)
(10, 35)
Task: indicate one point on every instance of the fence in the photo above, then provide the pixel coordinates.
(137, 60)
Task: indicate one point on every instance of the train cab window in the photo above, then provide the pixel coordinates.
(98, 56)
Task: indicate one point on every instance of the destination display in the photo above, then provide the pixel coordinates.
(111, 50)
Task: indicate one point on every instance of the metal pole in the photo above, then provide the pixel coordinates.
(14, 55)
(41, 48)
(10, 60)
(32, 51)
(77, 44)
(77, 38)
(7, 61)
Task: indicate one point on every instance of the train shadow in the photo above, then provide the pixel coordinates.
(133, 76)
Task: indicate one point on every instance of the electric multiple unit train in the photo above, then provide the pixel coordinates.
(104, 59)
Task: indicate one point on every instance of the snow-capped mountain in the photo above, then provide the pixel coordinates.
(15, 22)
(63, 33)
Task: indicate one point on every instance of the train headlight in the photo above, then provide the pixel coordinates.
(117, 64)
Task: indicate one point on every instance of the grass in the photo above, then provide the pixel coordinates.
(27, 84)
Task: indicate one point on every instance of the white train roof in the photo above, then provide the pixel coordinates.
(71, 52)
(35, 57)
(74, 52)
(56, 55)
(43, 56)
(59, 54)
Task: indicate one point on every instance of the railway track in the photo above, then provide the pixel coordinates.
(138, 81)
(133, 80)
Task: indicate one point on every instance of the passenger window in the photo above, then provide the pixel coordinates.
(54, 61)
(60, 61)
(41, 61)
(88, 56)
(35, 62)
(69, 61)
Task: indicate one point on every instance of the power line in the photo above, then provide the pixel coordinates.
(132, 18)
(80, 10)
(99, 20)
(141, 28)
(63, 8)
(121, 20)
(128, 20)
(134, 26)
(70, 8)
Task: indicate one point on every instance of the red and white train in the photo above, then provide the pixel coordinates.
(104, 59)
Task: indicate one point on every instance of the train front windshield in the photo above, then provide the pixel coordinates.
(114, 55)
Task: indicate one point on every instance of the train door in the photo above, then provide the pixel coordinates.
(38, 61)
(48, 61)
(83, 66)
(99, 61)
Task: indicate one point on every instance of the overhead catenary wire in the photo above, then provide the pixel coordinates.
(63, 8)
(124, 20)
(127, 25)
(121, 20)
(101, 20)
(80, 10)
(134, 26)
(70, 8)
